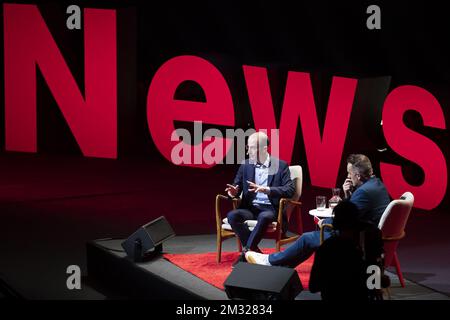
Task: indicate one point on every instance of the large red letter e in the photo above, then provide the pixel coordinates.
(28, 43)
(163, 109)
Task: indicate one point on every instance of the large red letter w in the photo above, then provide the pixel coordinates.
(28, 43)
(324, 151)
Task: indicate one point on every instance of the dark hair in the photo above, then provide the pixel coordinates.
(362, 164)
(346, 216)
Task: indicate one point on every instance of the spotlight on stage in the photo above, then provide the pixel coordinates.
(147, 241)
(256, 282)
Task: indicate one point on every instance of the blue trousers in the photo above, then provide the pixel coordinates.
(264, 214)
(299, 251)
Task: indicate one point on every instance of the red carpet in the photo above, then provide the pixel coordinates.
(204, 266)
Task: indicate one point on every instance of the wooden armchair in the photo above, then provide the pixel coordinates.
(274, 230)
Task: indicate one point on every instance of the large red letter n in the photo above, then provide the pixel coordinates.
(28, 43)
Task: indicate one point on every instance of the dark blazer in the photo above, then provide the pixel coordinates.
(371, 198)
(279, 181)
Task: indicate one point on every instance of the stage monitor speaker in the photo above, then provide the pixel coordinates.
(147, 240)
(256, 282)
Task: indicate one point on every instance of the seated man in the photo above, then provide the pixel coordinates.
(362, 188)
(263, 181)
(340, 264)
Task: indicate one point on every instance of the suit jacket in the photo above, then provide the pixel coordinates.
(371, 198)
(279, 181)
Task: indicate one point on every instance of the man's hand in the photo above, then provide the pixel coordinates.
(347, 187)
(253, 187)
(232, 190)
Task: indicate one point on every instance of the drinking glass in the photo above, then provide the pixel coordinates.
(335, 199)
(321, 203)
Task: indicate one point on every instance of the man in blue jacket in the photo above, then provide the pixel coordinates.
(263, 180)
(362, 188)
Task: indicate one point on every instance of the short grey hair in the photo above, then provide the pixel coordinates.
(262, 138)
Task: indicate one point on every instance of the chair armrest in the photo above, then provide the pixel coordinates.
(282, 205)
(295, 203)
(219, 199)
(221, 196)
(322, 230)
(394, 238)
(283, 202)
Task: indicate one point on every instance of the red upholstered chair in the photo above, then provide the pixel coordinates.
(392, 225)
(274, 230)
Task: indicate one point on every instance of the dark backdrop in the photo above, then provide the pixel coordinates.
(326, 38)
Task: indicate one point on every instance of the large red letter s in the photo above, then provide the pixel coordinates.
(414, 146)
(28, 43)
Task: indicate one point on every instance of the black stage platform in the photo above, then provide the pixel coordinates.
(110, 270)
(154, 279)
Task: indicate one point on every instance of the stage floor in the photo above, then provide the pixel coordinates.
(196, 288)
(50, 206)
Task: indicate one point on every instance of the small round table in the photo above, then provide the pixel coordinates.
(325, 213)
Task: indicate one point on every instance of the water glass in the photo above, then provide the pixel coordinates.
(321, 202)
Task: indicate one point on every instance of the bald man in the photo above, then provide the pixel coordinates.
(263, 180)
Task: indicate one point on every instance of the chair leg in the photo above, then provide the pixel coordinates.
(219, 247)
(386, 293)
(239, 244)
(399, 271)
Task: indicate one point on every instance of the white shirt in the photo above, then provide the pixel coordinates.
(261, 179)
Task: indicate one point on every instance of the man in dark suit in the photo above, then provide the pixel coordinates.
(263, 181)
(362, 188)
(365, 190)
